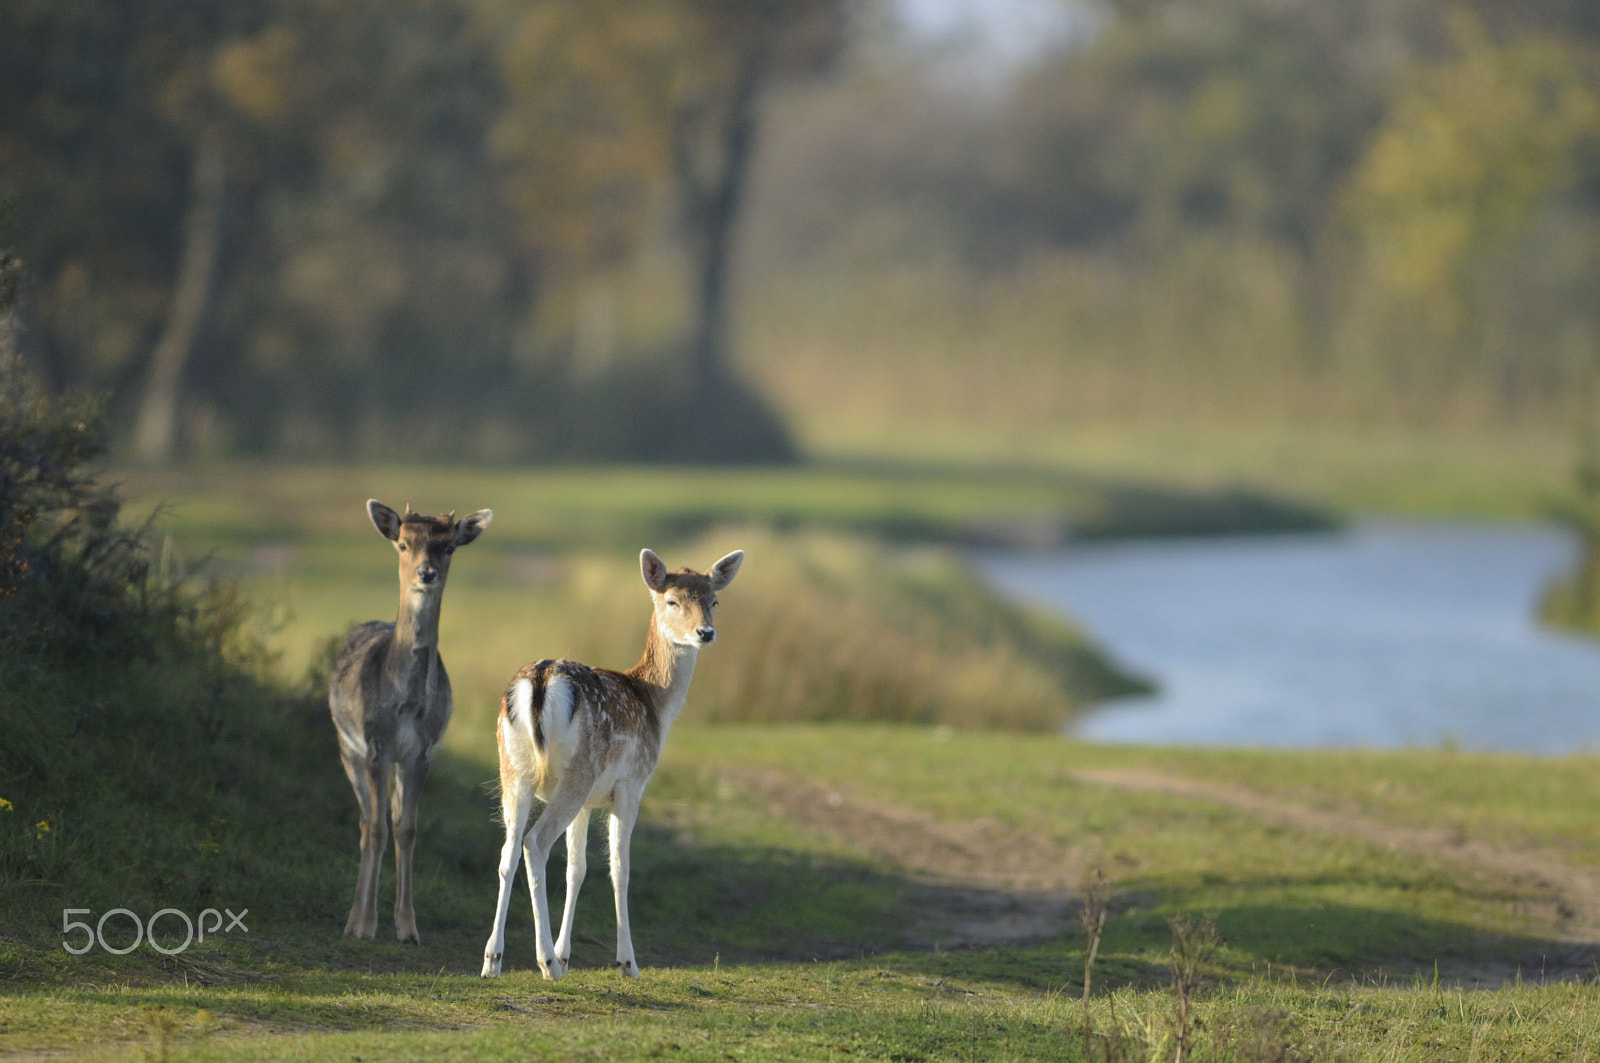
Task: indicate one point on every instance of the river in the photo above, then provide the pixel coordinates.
(1387, 635)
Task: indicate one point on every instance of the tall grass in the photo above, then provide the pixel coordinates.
(1214, 338)
(830, 627)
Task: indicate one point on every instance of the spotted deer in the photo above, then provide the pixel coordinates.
(390, 699)
(582, 738)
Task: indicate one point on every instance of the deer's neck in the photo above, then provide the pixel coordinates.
(665, 670)
(416, 634)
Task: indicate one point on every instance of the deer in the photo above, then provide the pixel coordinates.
(390, 699)
(581, 738)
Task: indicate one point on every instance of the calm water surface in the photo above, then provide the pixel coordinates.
(1388, 635)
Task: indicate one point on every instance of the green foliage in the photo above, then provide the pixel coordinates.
(1473, 149)
(407, 204)
(505, 227)
(75, 582)
(1573, 600)
(133, 703)
(1242, 120)
(1220, 217)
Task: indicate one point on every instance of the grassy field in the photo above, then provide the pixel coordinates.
(906, 891)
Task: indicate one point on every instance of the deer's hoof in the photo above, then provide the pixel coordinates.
(491, 965)
(412, 938)
(554, 970)
(628, 968)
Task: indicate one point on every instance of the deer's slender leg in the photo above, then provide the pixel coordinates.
(516, 802)
(355, 769)
(577, 865)
(370, 781)
(563, 806)
(624, 813)
(408, 780)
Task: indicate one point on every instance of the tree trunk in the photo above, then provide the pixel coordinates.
(156, 431)
(713, 208)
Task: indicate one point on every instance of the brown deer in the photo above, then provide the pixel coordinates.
(390, 699)
(580, 738)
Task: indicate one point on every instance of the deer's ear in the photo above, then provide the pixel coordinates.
(653, 569)
(386, 520)
(723, 571)
(472, 526)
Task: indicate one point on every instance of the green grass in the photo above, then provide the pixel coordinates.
(1328, 944)
(1222, 859)
(827, 1011)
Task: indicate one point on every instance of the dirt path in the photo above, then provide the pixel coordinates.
(1567, 896)
(976, 883)
(983, 883)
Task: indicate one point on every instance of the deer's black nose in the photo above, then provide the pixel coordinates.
(707, 635)
(427, 574)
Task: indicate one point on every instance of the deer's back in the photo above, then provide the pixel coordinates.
(582, 718)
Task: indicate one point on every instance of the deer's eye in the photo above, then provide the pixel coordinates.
(402, 546)
(672, 603)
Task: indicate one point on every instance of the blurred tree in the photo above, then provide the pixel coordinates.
(1573, 20)
(14, 516)
(376, 281)
(1352, 210)
(155, 434)
(581, 139)
(349, 141)
(1572, 599)
(1246, 119)
(224, 102)
(281, 224)
(1472, 149)
(616, 105)
(88, 144)
(737, 49)
(10, 269)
